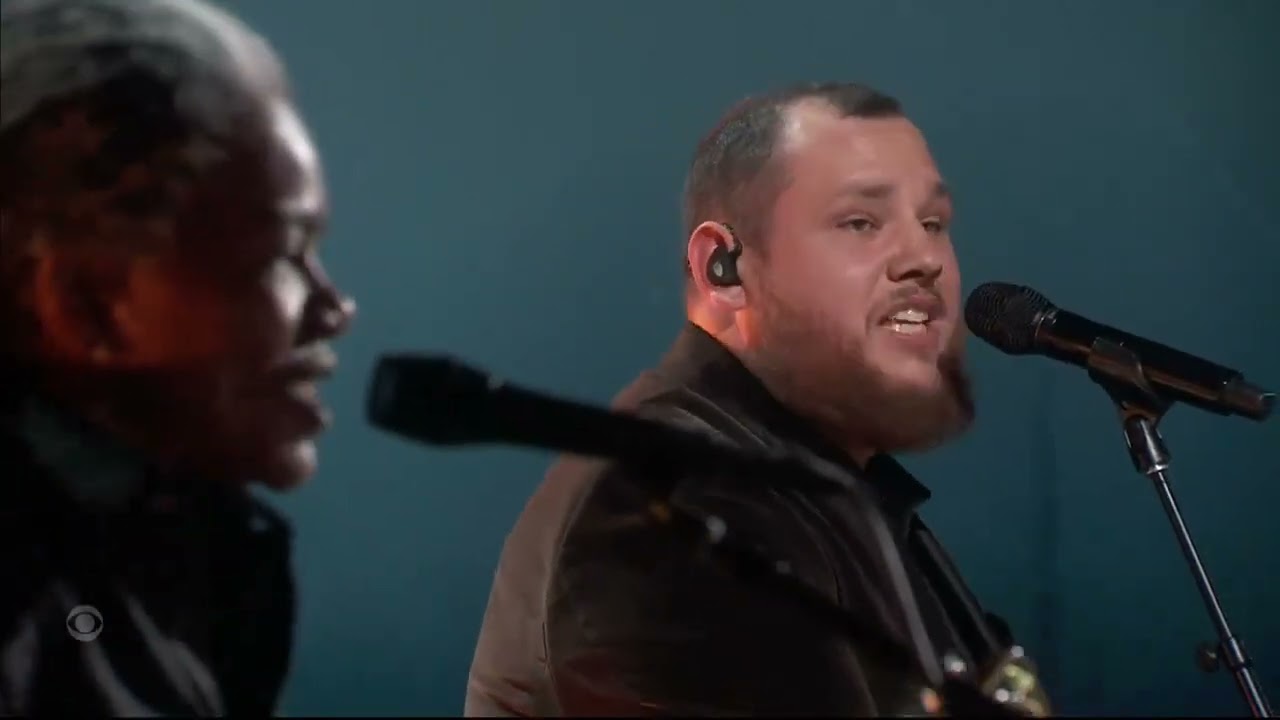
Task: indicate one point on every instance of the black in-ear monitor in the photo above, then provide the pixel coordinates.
(722, 264)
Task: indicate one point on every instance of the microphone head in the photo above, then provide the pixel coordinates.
(435, 399)
(1006, 315)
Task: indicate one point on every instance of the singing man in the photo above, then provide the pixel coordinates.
(165, 321)
(824, 317)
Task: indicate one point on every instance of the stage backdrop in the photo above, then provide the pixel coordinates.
(505, 181)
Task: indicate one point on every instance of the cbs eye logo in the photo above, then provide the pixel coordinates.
(84, 623)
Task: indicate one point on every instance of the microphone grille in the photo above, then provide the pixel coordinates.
(433, 398)
(1006, 315)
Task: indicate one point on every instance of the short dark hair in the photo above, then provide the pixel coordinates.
(732, 178)
(106, 108)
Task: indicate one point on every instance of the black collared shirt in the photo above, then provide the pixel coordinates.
(595, 611)
(125, 593)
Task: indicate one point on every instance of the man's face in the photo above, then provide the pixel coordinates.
(858, 294)
(254, 281)
(210, 343)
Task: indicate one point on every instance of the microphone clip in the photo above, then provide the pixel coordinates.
(1120, 372)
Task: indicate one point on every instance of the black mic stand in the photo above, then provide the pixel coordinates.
(1119, 372)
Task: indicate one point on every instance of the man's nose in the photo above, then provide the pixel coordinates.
(334, 313)
(330, 312)
(918, 257)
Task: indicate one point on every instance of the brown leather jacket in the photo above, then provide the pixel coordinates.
(595, 611)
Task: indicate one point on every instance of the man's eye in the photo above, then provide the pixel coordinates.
(304, 260)
(935, 227)
(859, 224)
(301, 248)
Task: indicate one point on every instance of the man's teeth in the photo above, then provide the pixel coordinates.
(909, 328)
(911, 316)
(909, 322)
(305, 390)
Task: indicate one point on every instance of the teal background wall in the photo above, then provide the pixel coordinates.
(506, 177)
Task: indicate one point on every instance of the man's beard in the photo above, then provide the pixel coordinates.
(805, 361)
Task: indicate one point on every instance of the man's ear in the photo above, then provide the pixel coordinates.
(72, 296)
(703, 241)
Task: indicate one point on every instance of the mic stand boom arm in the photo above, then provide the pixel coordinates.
(1119, 372)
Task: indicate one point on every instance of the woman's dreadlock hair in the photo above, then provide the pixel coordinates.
(107, 109)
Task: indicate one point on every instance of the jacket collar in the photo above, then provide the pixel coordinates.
(88, 467)
(98, 474)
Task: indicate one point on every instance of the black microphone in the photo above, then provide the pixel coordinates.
(441, 400)
(1020, 321)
